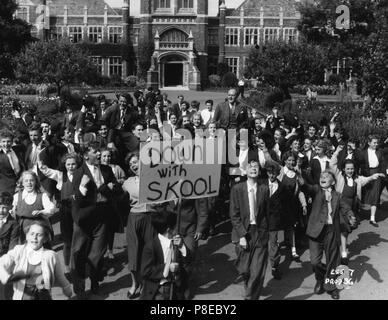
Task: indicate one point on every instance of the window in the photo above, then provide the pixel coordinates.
(290, 34)
(23, 14)
(185, 4)
(75, 34)
(98, 62)
(115, 66)
(213, 37)
(233, 65)
(251, 36)
(135, 36)
(115, 34)
(232, 36)
(271, 34)
(56, 33)
(162, 4)
(95, 34)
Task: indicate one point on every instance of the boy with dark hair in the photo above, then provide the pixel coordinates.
(161, 259)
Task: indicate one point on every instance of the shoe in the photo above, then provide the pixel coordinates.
(95, 288)
(345, 261)
(67, 269)
(135, 294)
(111, 256)
(318, 289)
(335, 294)
(276, 274)
(296, 257)
(240, 278)
(373, 223)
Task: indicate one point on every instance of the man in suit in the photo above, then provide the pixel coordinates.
(161, 260)
(120, 120)
(11, 162)
(231, 114)
(319, 163)
(94, 189)
(178, 106)
(102, 107)
(350, 152)
(250, 234)
(329, 212)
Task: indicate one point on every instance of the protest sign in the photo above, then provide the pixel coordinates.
(177, 176)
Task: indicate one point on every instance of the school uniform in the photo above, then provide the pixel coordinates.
(9, 234)
(249, 216)
(11, 167)
(156, 258)
(89, 210)
(371, 162)
(25, 203)
(276, 203)
(328, 212)
(318, 165)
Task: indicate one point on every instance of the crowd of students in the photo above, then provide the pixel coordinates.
(291, 176)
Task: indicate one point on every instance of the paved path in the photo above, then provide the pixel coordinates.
(215, 271)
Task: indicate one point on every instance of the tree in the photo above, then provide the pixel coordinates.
(375, 59)
(146, 50)
(60, 62)
(284, 65)
(14, 35)
(319, 25)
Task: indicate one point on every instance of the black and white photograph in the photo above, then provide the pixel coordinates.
(205, 151)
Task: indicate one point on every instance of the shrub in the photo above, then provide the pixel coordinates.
(222, 69)
(215, 80)
(131, 81)
(116, 80)
(229, 79)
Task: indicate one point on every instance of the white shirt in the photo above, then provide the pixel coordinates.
(166, 245)
(252, 189)
(207, 116)
(261, 158)
(289, 173)
(349, 156)
(372, 157)
(69, 146)
(322, 162)
(96, 173)
(350, 181)
(308, 154)
(273, 186)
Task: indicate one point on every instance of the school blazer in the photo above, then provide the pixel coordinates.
(85, 208)
(364, 162)
(239, 212)
(275, 207)
(316, 171)
(318, 215)
(152, 266)
(9, 235)
(8, 178)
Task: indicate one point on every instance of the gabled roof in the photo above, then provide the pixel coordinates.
(271, 7)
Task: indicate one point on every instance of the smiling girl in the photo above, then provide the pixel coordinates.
(32, 268)
(31, 204)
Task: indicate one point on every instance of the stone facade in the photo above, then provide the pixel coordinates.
(190, 36)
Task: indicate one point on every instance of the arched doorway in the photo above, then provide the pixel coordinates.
(173, 71)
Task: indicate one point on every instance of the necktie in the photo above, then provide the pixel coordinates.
(13, 162)
(328, 198)
(34, 155)
(270, 189)
(252, 202)
(168, 261)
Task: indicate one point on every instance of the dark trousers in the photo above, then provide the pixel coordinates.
(66, 225)
(274, 252)
(87, 250)
(257, 261)
(328, 241)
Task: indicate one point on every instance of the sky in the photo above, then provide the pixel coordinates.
(229, 3)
